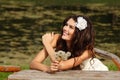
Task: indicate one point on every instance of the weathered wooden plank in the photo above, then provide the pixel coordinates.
(65, 75)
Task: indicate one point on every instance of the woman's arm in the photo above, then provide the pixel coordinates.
(37, 61)
(68, 64)
(49, 40)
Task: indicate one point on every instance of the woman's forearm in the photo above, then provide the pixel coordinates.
(39, 66)
(50, 50)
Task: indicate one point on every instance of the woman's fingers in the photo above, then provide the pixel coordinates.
(54, 66)
(48, 37)
(52, 34)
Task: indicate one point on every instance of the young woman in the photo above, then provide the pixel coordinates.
(77, 37)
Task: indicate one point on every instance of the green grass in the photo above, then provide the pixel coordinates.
(4, 75)
(112, 67)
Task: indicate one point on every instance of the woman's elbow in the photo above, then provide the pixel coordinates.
(32, 65)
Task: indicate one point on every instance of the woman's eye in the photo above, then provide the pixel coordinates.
(71, 27)
(66, 24)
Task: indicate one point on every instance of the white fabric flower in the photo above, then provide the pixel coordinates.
(61, 55)
(81, 23)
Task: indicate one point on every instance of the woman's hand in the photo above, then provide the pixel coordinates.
(47, 38)
(54, 66)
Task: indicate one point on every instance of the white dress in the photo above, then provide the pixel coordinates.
(93, 65)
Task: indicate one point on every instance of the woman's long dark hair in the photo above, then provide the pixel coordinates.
(81, 41)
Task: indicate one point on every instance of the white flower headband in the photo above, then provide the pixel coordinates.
(81, 23)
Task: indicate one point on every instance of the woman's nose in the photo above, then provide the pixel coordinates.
(66, 27)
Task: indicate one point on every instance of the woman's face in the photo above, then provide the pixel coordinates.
(68, 30)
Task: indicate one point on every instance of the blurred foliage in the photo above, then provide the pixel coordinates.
(23, 22)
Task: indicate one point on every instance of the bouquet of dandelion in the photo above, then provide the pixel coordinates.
(61, 55)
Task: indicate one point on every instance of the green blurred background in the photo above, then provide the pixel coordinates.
(23, 22)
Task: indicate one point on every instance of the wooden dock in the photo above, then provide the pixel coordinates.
(65, 75)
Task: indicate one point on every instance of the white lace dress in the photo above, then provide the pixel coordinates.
(93, 65)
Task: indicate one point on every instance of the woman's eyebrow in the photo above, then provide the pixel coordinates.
(70, 25)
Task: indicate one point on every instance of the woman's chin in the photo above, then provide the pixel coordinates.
(64, 38)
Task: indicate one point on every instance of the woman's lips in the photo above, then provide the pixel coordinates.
(65, 33)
